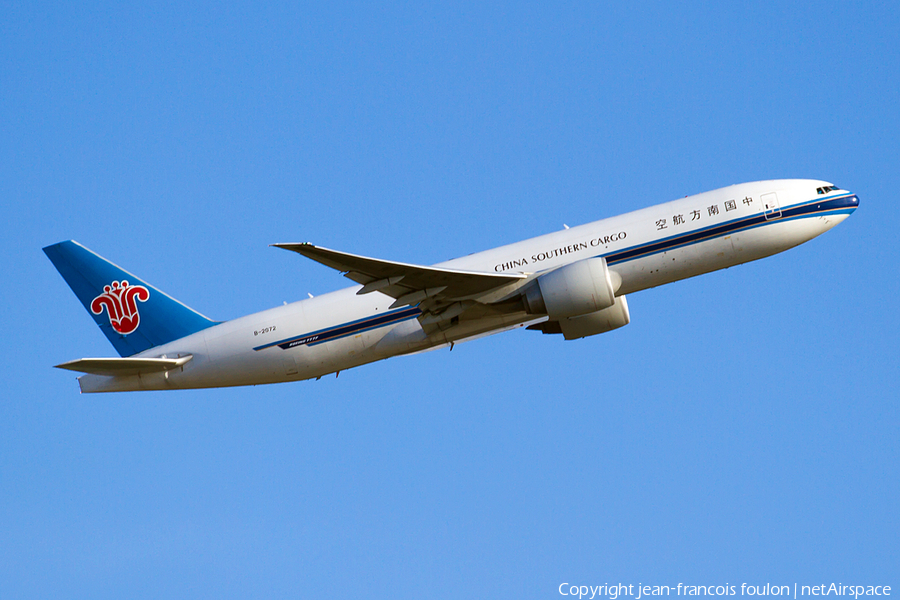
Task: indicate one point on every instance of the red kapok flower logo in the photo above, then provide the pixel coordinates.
(120, 302)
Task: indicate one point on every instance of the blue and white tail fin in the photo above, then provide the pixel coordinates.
(134, 315)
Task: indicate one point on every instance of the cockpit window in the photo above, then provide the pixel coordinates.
(827, 189)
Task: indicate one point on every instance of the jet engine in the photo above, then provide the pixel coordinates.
(593, 323)
(576, 289)
(579, 299)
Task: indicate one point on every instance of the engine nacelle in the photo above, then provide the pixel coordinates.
(581, 288)
(601, 321)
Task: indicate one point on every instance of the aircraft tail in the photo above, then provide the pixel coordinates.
(134, 315)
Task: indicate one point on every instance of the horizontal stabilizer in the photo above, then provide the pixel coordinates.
(401, 280)
(112, 367)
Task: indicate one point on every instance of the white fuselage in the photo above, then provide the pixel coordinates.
(645, 248)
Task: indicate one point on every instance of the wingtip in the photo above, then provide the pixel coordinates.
(285, 246)
(67, 365)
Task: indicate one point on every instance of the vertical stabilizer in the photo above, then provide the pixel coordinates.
(134, 315)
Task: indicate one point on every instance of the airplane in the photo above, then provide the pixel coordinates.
(572, 283)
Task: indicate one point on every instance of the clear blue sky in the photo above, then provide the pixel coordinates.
(743, 427)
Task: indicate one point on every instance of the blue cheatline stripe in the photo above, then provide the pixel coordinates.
(841, 205)
(345, 329)
(845, 204)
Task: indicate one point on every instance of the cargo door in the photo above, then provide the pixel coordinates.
(771, 208)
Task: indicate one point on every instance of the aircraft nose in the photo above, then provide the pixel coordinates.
(846, 204)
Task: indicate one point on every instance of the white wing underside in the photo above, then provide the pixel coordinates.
(408, 284)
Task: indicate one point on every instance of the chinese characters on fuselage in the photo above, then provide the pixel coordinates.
(676, 220)
(711, 211)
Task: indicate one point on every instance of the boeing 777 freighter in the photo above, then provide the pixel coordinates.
(572, 283)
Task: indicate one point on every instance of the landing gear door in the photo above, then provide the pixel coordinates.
(771, 208)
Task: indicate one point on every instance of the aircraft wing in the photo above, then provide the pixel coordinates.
(124, 366)
(408, 284)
